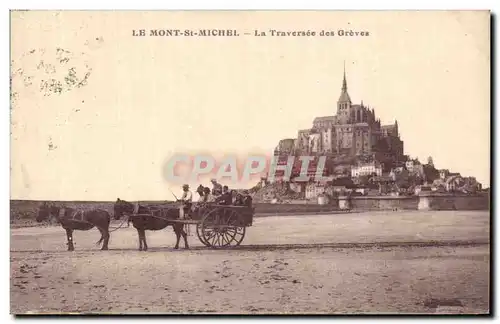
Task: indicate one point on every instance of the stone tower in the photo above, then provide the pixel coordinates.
(344, 104)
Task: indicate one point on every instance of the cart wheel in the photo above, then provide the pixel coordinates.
(200, 235)
(204, 212)
(222, 227)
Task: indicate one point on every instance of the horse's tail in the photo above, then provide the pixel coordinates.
(108, 214)
(100, 240)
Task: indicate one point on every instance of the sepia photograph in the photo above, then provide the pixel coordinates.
(250, 162)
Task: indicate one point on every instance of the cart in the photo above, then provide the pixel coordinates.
(219, 225)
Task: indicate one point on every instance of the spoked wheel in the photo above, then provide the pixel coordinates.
(221, 227)
(199, 231)
(200, 235)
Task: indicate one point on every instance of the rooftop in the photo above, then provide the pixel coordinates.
(325, 118)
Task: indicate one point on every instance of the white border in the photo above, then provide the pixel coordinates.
(260, 4)
(492, 5)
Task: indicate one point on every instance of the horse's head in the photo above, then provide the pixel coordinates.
(45, 211)
(121, 207)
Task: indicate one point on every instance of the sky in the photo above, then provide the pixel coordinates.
(132, 102)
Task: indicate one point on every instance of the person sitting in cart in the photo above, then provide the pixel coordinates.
(204, 193)
(247, 199)
(238, 199)
(226, 198)
(217, 188)
(208, 197)
(200, 191)
(186, 200)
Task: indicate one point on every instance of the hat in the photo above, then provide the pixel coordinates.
(185, 186)
(213, 180)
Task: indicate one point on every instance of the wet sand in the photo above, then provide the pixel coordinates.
(397, 262)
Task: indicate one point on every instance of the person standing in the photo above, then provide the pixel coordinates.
(186, 200)
(216, 188)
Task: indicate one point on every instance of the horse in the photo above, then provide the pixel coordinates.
(81, 220)
(154, 220)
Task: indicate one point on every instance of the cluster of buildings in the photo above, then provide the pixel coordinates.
(363, 156)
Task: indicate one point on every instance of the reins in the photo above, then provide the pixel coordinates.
(134, 214)
(151, 214)
(120, 226)
(152, 209)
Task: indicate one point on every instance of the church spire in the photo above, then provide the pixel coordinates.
(344, 82)
(344, 96)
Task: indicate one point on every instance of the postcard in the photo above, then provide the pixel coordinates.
(250, 162)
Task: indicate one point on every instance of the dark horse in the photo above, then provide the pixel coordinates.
(81, 220)
(154, 220)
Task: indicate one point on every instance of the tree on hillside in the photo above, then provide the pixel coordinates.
(430, 173)
(342, 182)
(415, 179)
(364, 180)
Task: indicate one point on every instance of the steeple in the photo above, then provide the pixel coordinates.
(344, 96)
(344, 82)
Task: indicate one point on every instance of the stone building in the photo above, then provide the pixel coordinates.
(353, 131)
(366, 169)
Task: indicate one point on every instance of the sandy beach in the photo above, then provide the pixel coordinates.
(396, 262)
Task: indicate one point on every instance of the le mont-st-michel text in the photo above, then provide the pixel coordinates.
(256, 32)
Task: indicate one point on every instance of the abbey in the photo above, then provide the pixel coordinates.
(353, 132)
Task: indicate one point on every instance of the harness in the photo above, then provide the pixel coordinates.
(150, 212)
(76, 216)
